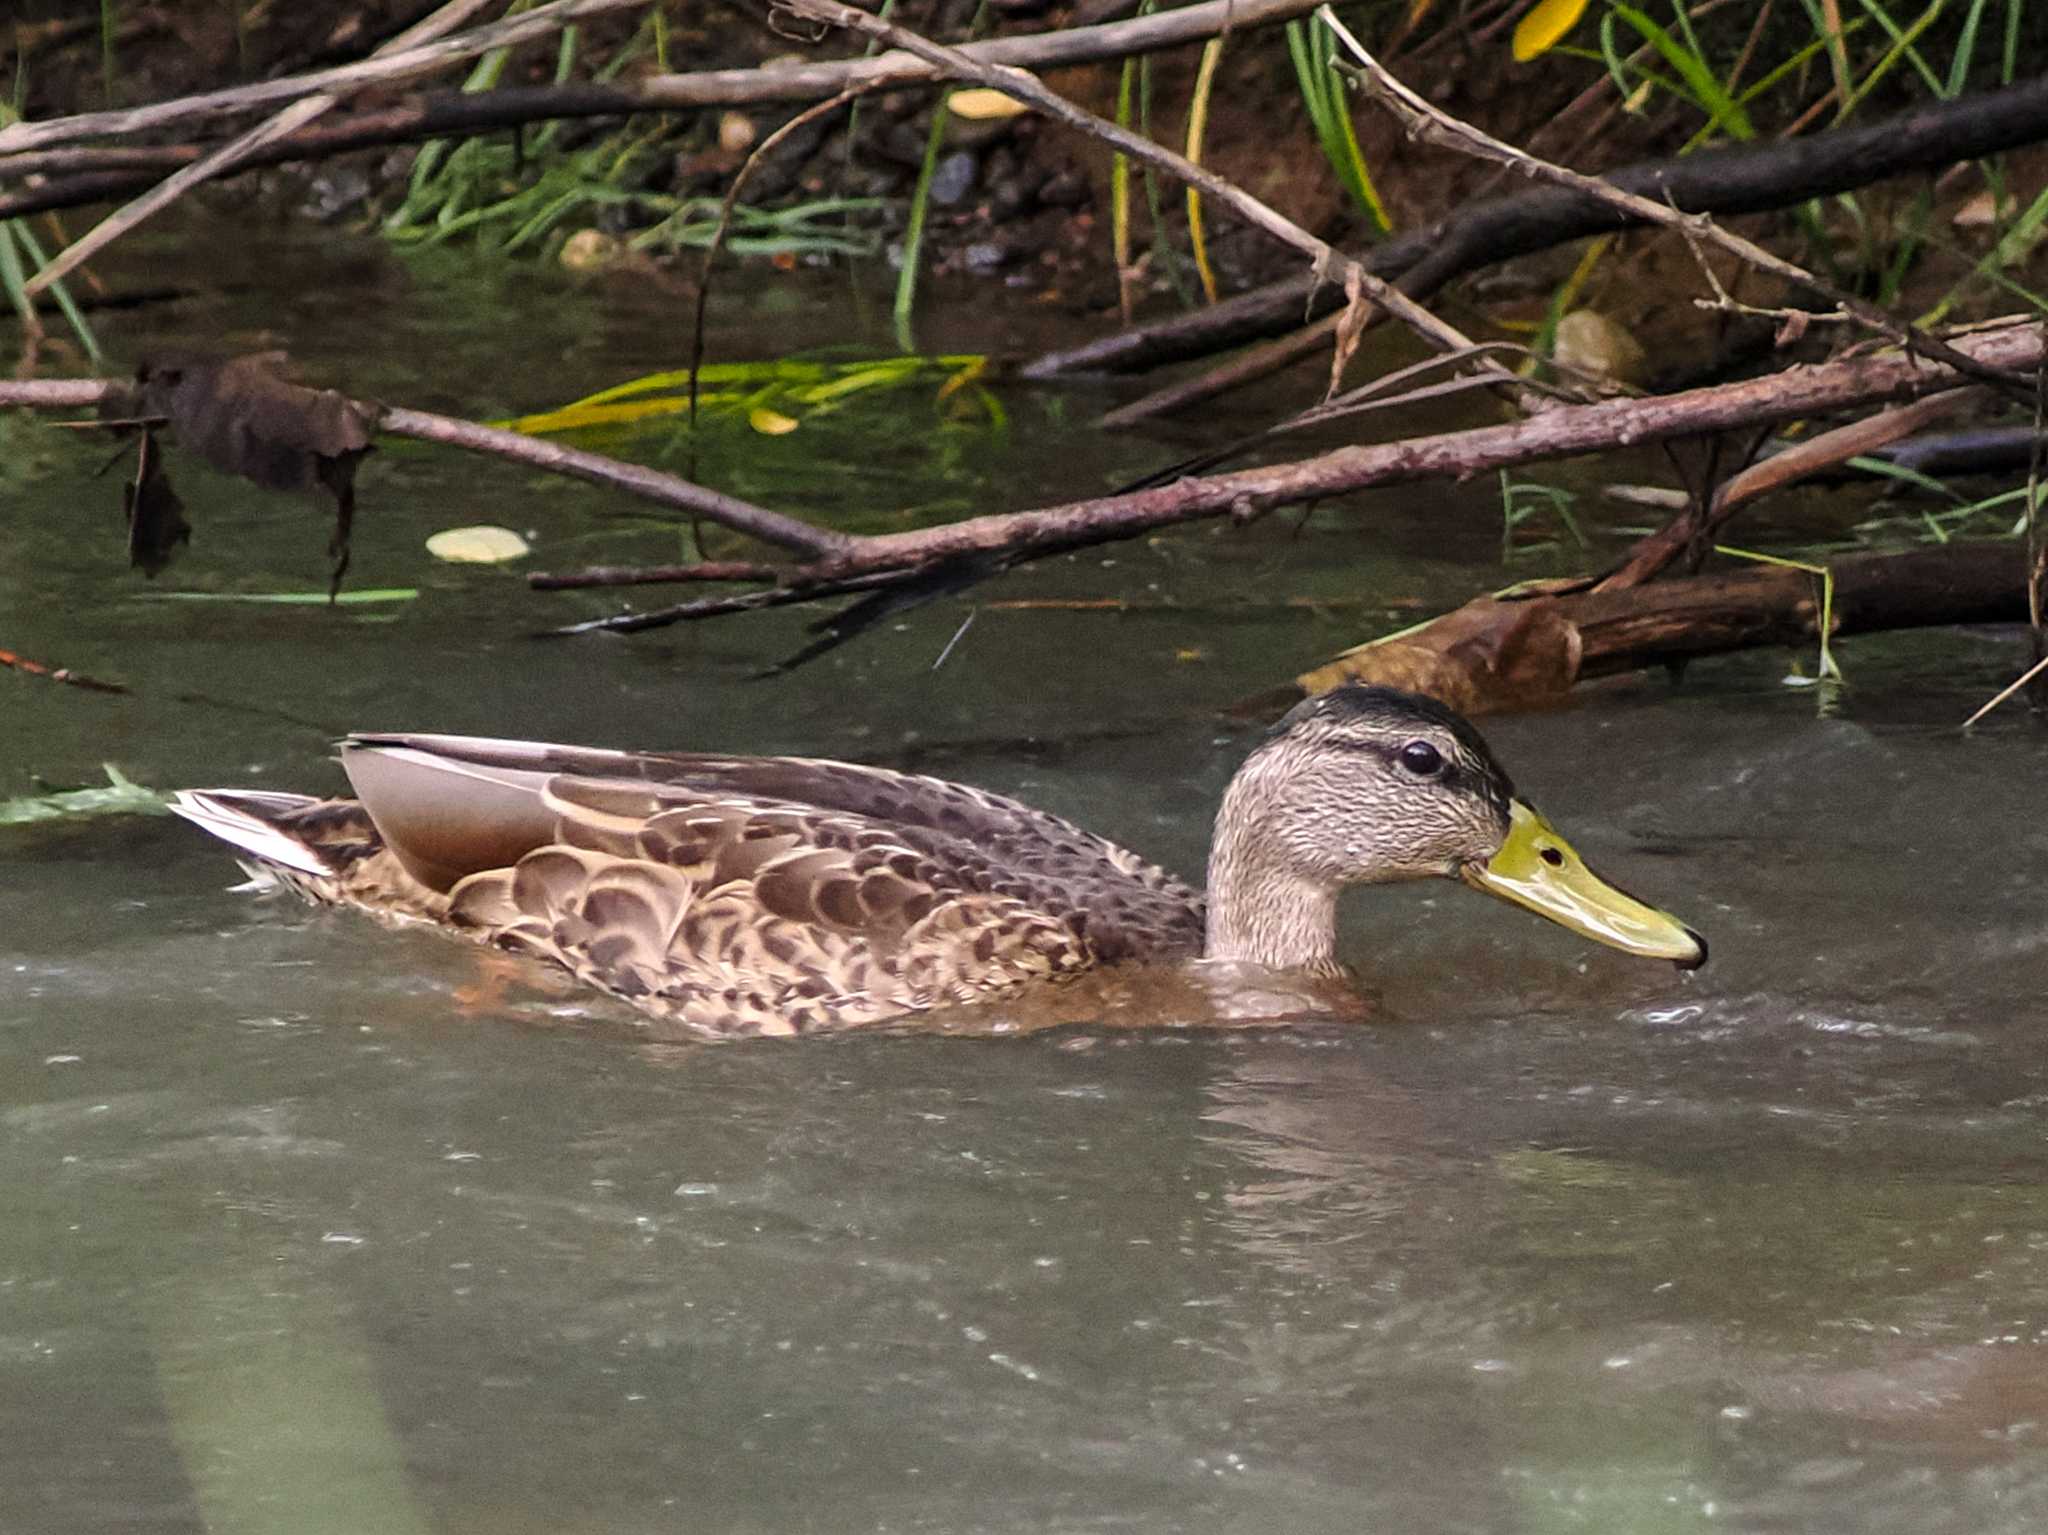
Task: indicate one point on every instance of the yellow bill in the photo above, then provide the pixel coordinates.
(1537, 868)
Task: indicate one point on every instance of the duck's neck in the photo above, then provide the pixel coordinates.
(1260, 911)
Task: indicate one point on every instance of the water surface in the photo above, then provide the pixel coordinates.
(312, 1226)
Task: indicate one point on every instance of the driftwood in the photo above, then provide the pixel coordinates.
(1495, 654)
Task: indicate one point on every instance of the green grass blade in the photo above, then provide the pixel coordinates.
(1701, 82)
(1966, 45)
(60, 291)
(289, 599)
(1902, 47)
(913, 234)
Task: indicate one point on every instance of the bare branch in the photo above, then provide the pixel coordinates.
(594, 468)
(375, 71)
(1440, 127)
(224, 159)
(1028, 89)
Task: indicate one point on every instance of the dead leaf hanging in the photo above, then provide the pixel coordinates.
(242, 417)
(156, 517)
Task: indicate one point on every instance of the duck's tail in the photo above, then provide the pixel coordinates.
(257, 822)
(327, 850)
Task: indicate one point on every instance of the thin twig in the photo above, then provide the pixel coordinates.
(1439, 127)
(595, 468)
(1026, 88)
(434, 56)
(652, 575)
(732, 196)
(57, 673)
(2008, 690)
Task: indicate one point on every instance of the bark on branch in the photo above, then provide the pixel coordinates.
(1493, 655)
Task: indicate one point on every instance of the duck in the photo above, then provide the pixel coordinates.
(732, 896)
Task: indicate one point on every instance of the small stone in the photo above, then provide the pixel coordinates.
(736, 133)
(903, 143)
(337, 192)
(1593, 343)
(589, 250)
(953, 180)
(987, 256)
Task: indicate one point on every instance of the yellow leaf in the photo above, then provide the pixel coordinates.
(1545, 26)
(981, 104)
(476, 546)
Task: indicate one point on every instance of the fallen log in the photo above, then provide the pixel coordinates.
(1528, 648)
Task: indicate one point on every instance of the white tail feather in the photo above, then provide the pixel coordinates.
(217, 811)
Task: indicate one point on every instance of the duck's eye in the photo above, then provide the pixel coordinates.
(1421, 759)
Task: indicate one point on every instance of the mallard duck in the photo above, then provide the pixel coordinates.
(783, 895)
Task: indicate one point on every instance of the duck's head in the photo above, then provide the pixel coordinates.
(1365, 785)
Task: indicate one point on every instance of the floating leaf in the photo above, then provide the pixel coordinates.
(1544, 27)
(480, 545)
(770, 423)
(982, 104)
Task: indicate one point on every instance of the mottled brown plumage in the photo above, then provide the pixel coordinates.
(782, 895)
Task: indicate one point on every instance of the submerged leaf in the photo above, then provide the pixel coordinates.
(770, 423)
(120, 796)
(479, 545)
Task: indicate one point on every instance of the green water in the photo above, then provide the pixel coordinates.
(304, 1227)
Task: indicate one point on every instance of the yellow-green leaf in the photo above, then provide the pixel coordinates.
(1545, 26)
(770, 423)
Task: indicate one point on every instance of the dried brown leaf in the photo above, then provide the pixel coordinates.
(156, 517)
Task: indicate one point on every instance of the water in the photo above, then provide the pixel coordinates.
(307, 1225)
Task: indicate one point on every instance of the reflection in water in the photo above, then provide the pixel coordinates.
(1644, 1284)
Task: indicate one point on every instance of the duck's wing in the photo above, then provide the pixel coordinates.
(728, 914)
(480, 797)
